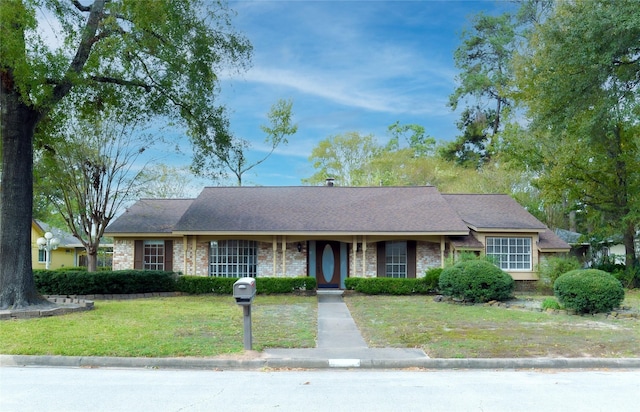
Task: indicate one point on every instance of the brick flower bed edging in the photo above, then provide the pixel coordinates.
(64, 306)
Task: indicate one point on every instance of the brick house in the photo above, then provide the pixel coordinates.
(327, 232)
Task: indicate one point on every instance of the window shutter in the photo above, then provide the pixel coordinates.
(381, 260)
(168, 255)
(138, 249)
(411, 259)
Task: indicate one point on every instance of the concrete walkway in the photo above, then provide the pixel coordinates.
(339, 341)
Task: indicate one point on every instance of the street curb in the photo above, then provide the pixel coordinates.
(281, 363)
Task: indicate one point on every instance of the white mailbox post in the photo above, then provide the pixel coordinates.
(244, 290)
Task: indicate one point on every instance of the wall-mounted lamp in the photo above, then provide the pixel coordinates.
(299, 247)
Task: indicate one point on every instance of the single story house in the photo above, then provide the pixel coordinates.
(69, 253)
(327, 232)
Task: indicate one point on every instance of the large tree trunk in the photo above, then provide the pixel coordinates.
(92, 258)
(17, 287)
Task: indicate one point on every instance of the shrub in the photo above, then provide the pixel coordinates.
(224, 286)
(551, 268)
(76, 281)
(589, 291)
(551, 303)
(476, 281)
(387, 286)
(431, 279)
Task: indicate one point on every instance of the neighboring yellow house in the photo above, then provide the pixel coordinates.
(70, 252)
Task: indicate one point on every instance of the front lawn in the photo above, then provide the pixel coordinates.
(201, 326)
(445, 330)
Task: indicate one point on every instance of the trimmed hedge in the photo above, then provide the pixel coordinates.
(589, 291)
(476, 281)
(80, 282)
(224, 286)
(77, 281)
(388, 286)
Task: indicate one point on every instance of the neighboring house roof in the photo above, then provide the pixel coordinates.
(321, 209)
(150, 216)
(572, 238)
(493, 212)
(66, 239)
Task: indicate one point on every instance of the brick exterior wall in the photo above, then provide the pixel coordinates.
(123, 254)
(294, 265)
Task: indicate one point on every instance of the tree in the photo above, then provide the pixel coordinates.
(415, 136)
(484, 57)
(159, 58)
(344, 158)
(165, 181)
(580, 84)
(233, 156)
(91, 173)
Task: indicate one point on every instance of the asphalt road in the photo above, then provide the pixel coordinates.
(83, 389)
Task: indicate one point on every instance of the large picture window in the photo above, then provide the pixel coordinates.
(153, 255)
(511, 253)
(233, 258)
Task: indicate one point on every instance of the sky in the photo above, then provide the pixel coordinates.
(347, 66)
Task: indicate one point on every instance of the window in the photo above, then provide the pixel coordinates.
(233, 258)
(42, 256)
(153, 255)
(396, 259)
(511, 253)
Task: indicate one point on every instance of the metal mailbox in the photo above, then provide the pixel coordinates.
(244, 290)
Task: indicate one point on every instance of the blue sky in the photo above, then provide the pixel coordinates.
(348, 66)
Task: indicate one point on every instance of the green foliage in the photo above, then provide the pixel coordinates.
(432, 278)
(551, 303)
(224, 286)
(388, 286)
(628, 276)
(551, 268)
(476, 281)
(80, 282)
(589, 291)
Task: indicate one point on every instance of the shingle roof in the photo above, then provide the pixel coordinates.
(321, 209)
(493, 212)
(150, 216)
(549, 241)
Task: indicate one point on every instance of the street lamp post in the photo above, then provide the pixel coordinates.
(48, 243)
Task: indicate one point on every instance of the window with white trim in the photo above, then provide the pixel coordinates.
(511, 253)
(153, 255)
(233, 258)
(396, 259)
(42, 256)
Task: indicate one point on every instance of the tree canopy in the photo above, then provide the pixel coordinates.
(579, 80)
(151, 58)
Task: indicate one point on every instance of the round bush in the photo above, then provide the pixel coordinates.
(476, 281)
(589, 291)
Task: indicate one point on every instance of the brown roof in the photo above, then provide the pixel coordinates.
(491, 212)
(150, 216)
(417, 209)
(550, 242)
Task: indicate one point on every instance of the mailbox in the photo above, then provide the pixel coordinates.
(244, 289)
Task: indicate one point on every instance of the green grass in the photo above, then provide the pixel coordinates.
(203, 326)
(445, 330)
(209, 326)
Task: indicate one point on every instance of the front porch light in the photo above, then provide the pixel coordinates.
(48, 243)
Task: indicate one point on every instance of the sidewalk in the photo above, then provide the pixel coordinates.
(339, 345)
